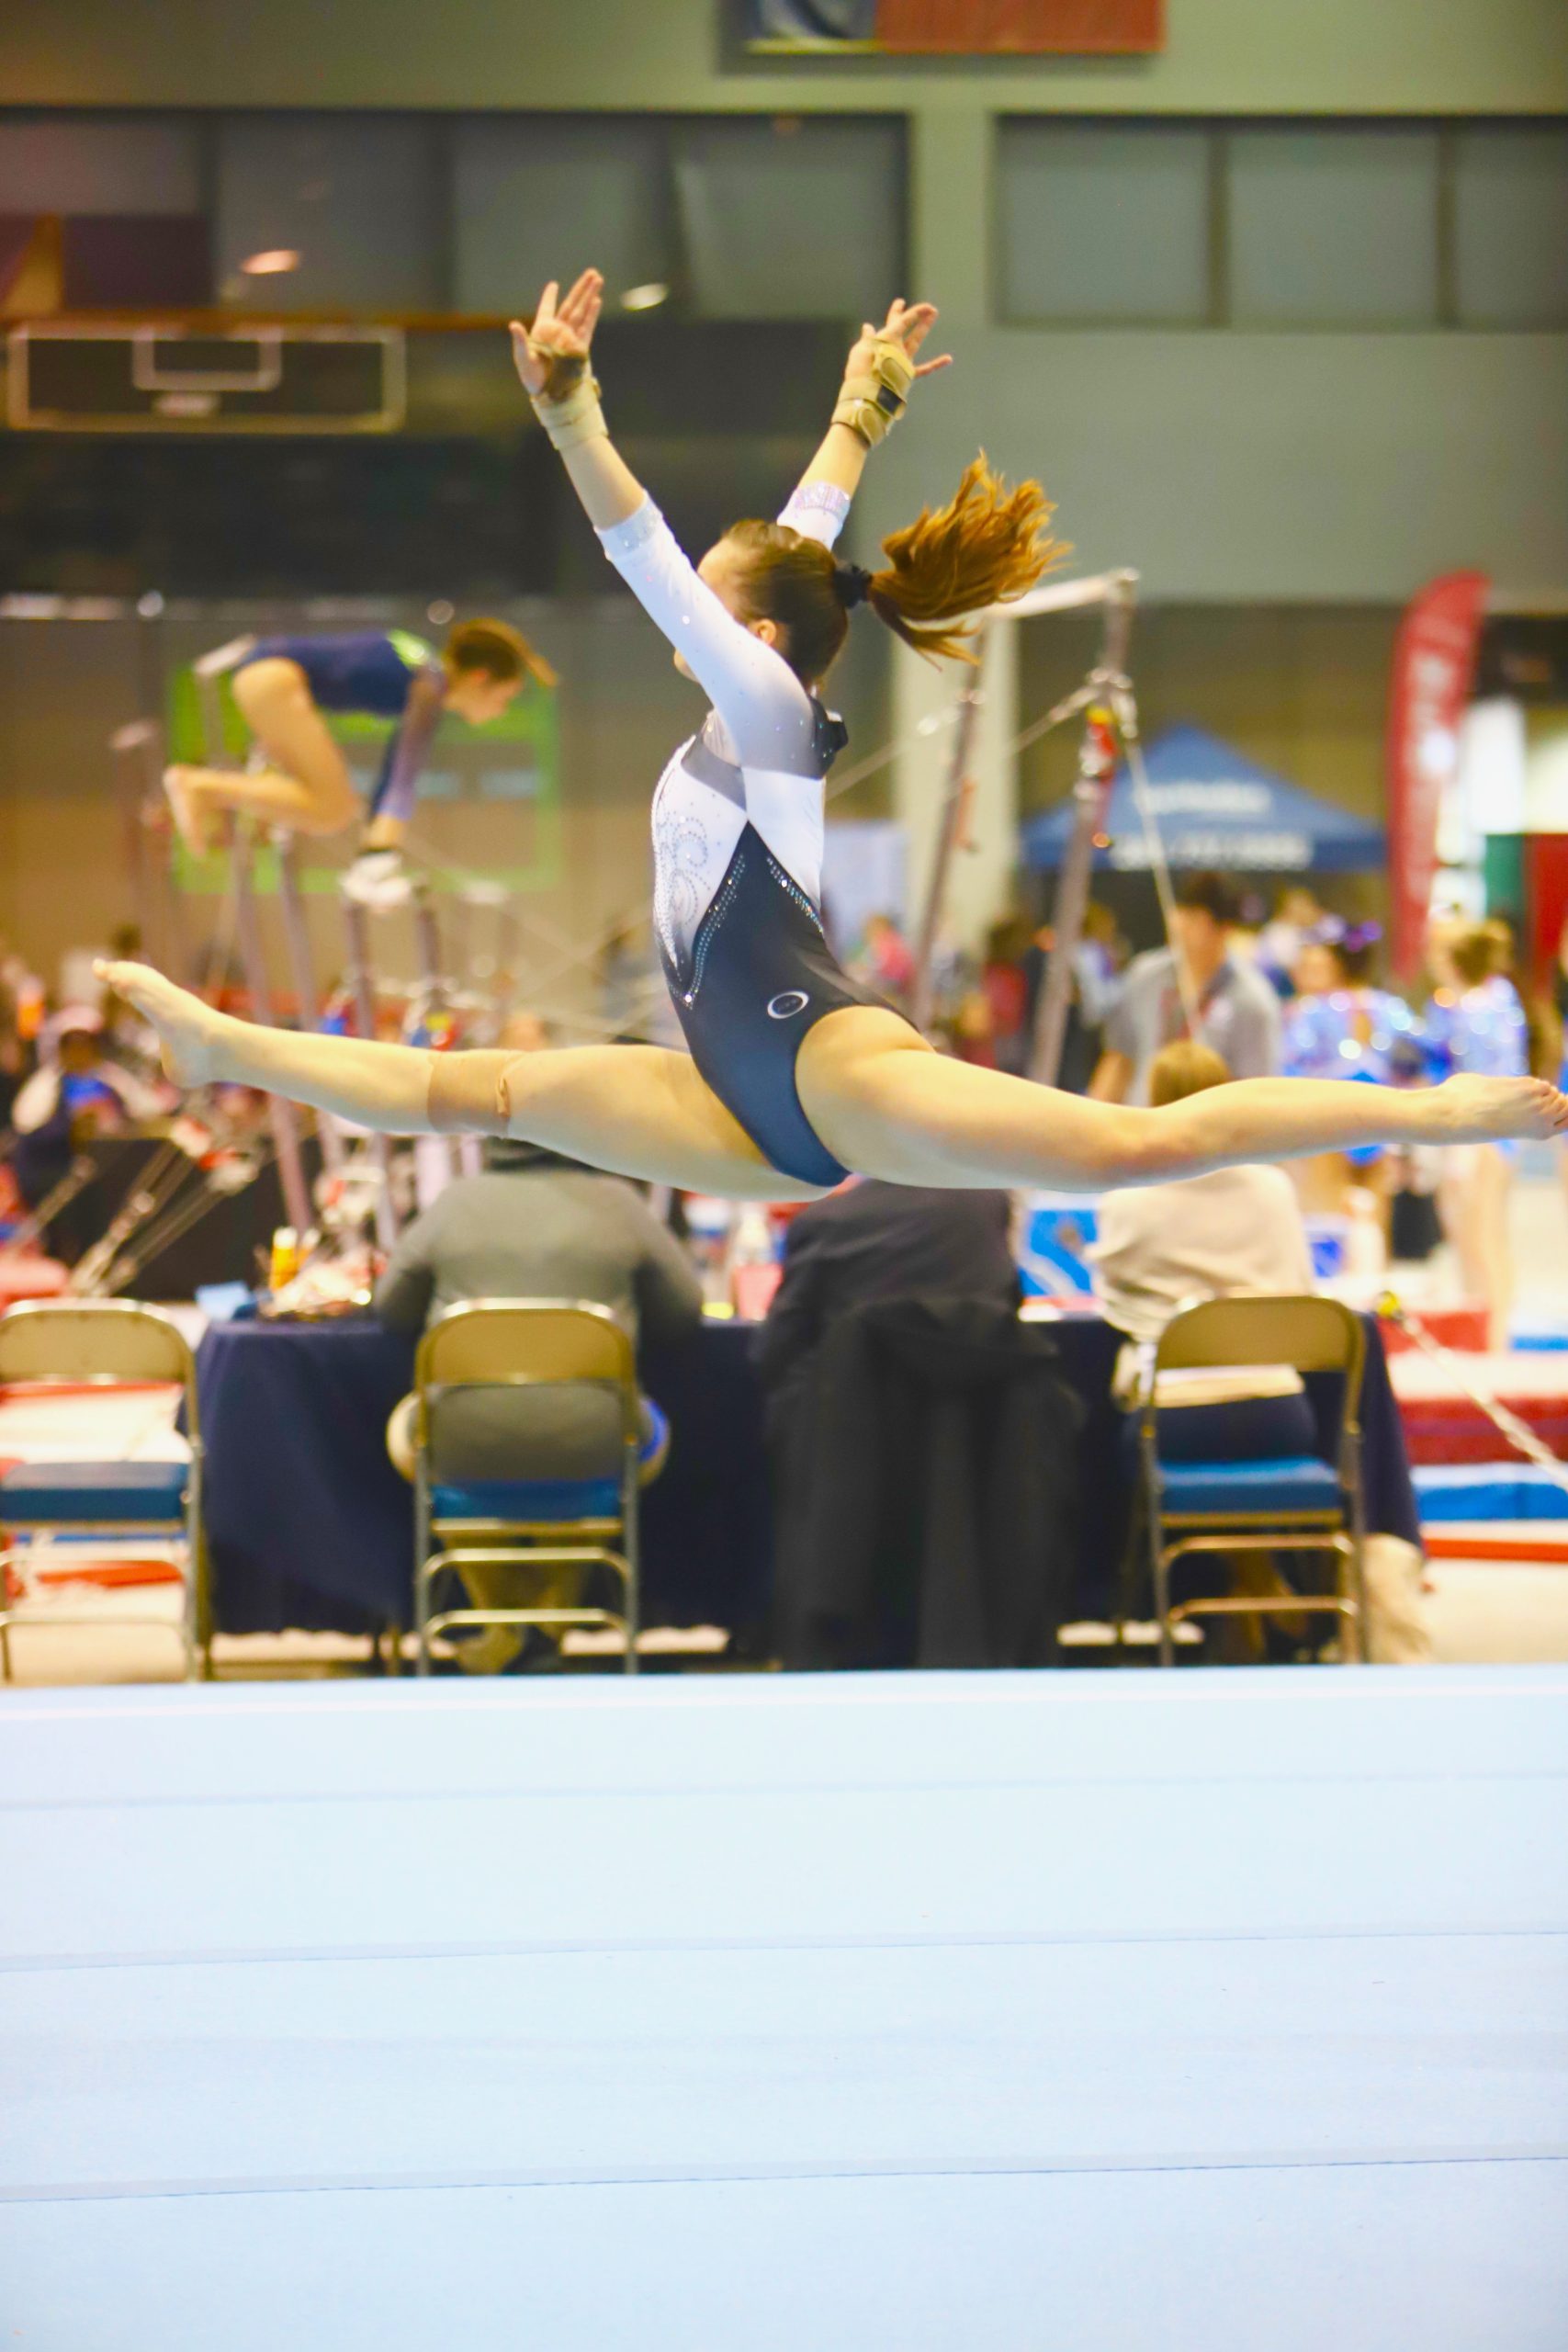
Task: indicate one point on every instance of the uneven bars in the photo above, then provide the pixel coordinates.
(1064, 597)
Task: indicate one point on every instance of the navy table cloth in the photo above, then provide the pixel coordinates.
(312, 1528)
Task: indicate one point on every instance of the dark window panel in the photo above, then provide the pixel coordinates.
(1102, 222)
(126, 263)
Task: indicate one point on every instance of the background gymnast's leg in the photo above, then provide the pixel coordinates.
(635, 1110)
(885, 1103)
(305, 785)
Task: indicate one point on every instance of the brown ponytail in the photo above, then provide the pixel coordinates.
(988, 544)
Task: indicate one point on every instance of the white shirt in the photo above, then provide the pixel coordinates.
(1235, 1232)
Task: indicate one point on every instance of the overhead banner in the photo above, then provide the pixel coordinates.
(1434, 662)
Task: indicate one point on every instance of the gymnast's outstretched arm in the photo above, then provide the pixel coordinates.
(840, 459)
(552, 356)
(756, 694)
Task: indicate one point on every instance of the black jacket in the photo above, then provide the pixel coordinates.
(877, 1241)
(927, 1485)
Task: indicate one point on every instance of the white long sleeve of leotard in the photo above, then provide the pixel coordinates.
(816, 509)
(759, 758)
(766, 710)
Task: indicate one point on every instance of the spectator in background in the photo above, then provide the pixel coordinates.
(1095, 969)
(533, 1225)
(1297, 916)
(1339, 1025)
(1238, 1012)
(1004, 983)
(1236, 1232)
(885, 959)
(13, 1054)
(21, 1013)
(870, 1509)
(77, 1091)
(1476, 1020)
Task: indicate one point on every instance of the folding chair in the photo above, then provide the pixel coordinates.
(1300, 1502)
(103, 1343)
(583, 1520)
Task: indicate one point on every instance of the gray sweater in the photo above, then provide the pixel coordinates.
(546, 1232)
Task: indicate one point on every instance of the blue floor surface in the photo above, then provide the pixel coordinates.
(1029, 2013)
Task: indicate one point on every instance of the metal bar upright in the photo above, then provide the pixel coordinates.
(1091, 796)
(949, 826)
(138, 752)
(356, 924)
(279, 1109)
(301, 969)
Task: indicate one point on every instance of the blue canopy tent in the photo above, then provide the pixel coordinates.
(1215, 808)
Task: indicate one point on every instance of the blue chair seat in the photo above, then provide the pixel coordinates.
(93, 1493)
(1296, 1483)
(546, 1498)
(528, 1499)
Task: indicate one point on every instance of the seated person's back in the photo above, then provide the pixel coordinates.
(873, 1241)
(534, 1225)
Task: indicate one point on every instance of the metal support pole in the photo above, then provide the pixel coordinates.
(435, 986)
(356, 923)
(281, 1111)
(949, 826)
(296, 939)
(137, 751)
(1097, 765)
(427, 941)
(1126, 711)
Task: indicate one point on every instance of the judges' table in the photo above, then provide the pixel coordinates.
(311, 1527)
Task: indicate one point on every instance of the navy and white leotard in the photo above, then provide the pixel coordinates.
(377, 672)
(737, 845)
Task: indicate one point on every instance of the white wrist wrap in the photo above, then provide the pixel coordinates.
(568, 407)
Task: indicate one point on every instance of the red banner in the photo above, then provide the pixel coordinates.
(1038, 28)
(1434, 661)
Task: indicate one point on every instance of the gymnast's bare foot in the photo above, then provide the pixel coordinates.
(1496, 1110)
(188, 807)
(188, 1029)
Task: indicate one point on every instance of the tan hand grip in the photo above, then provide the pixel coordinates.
(871, 403)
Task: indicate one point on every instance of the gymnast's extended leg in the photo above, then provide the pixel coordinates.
(305, 785)
(635, 1110)
(880, 1098)
(885, 1103)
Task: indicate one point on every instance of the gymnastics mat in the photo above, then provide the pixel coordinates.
(1203, 2009)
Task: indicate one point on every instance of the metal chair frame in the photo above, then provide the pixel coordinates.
(108, 1325)
(1306, 1334)
(578, 1343)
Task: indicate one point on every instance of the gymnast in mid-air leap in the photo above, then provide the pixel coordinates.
(795, 1076)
